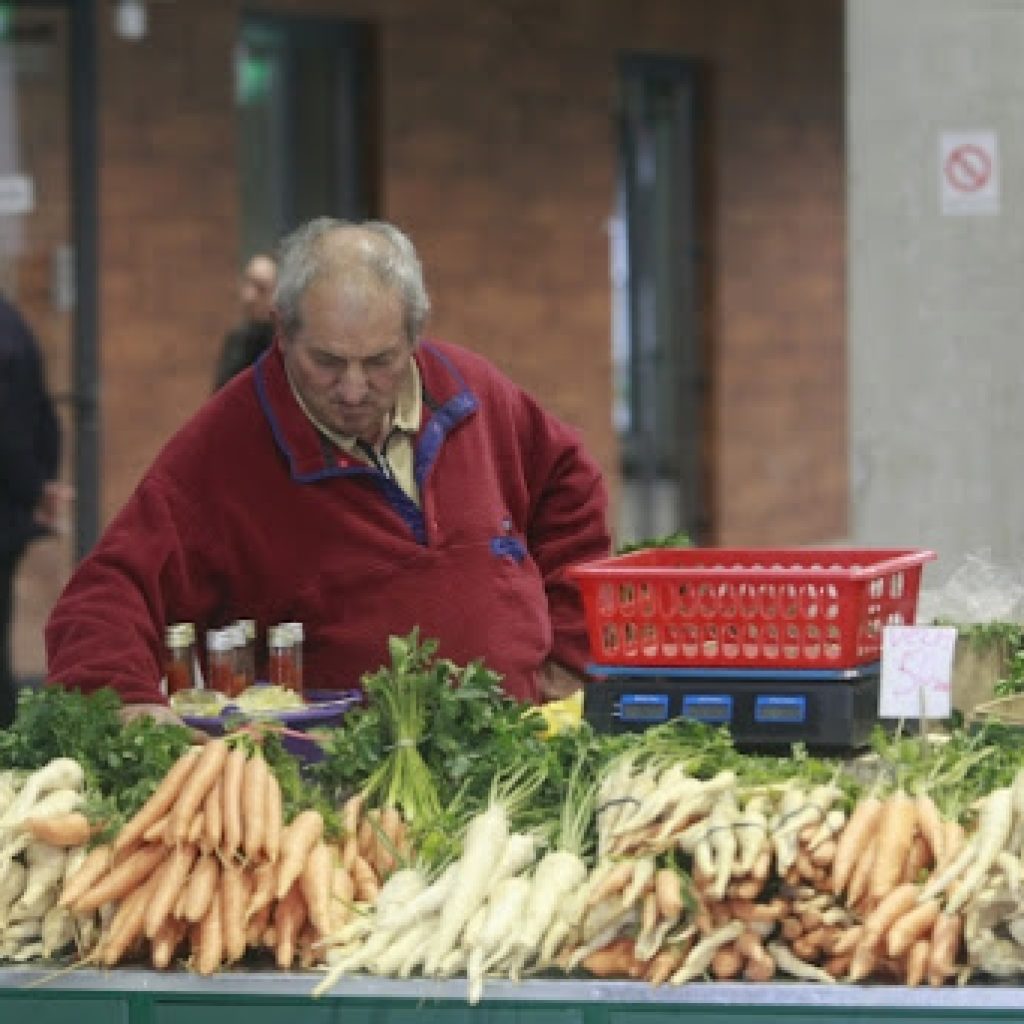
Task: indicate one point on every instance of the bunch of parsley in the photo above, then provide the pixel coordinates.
(123, 762)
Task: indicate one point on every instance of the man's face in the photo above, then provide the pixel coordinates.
(257, 288)
(349, 358)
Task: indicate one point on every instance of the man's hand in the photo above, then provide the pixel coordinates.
(159, 713)
(556, 681)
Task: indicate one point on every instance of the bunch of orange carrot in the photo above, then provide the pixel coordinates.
(208, 869)
(882, 857)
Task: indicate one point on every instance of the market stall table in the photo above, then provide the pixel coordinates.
(146, 997)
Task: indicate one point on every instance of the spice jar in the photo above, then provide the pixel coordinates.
(180, 657)
(220, 661)
(245, 653)
(281, 657)
(298, 636)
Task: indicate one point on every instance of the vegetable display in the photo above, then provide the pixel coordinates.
(444, 833)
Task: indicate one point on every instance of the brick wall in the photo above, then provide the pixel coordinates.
(498, 157)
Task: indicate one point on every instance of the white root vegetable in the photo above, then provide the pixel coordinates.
(698, 960)
(698, 804)
(503, 919)
(12, 885)
(484, 846)
(425, 903)
(751, 828)
(558, 874)
(45, 872)
(790, 964)
(673, 785)
(60, 773)
(722, 838)
(58, 930)
(970, 868)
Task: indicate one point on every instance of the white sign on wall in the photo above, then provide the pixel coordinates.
(17, 194)
(969, 173)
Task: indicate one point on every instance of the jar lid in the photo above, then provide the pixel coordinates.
(180, 634)
(218, 640)
(280, 635)
(248, 627)
(296, 629)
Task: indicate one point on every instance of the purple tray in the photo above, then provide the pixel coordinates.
(326, 708)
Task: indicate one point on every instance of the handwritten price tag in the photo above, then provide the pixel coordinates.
(917, 665)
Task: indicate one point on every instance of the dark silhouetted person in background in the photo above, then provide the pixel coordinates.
(246, 343)
(31, 499)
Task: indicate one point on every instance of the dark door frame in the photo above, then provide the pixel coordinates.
(85, 239)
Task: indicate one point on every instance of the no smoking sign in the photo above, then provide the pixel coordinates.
(969, 172)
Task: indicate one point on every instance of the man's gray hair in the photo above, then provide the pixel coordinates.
(387, 256)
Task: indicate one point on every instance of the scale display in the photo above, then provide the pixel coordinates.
(643, 707)
(792, 710)
(713, 708)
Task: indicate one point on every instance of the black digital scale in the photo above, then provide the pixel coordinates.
(763, 708)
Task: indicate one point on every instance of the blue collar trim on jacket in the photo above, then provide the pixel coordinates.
(444, 419)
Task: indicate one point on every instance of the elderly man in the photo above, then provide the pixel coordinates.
(359, 481)
(246, 343)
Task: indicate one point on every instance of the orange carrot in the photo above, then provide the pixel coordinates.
(297, 840)
(917, 963)
(257, 926)
(351, 812)
(209, 947)
(62, 830)
(157, 831)
(315, 883)
(663, 965)
(167, 889)
(161, 801)
(726, 963)
(855, 838)
(195, 830)
(669, 895)
(125, 927)
(122, 879)
(896, 829)
(92, 869)
(254, 805)
(213, 815)
(264, 887)
(896, 903)
(919, 857)
(617, 959)
(349, 851)
(366, 881)
(200, 888)
(289, 917)
(944, 947)
(234, 900)
(273, 817)
(193, 792)
(231, 787)
(929, 821)
(166, 941)
(860, 878)
(342, 886)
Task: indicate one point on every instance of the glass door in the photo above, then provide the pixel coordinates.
(41, 175)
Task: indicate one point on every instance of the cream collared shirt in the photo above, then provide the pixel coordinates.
(400, 429)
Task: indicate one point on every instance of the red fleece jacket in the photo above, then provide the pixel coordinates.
(249, 513)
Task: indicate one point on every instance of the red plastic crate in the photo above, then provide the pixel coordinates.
(754, 608)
